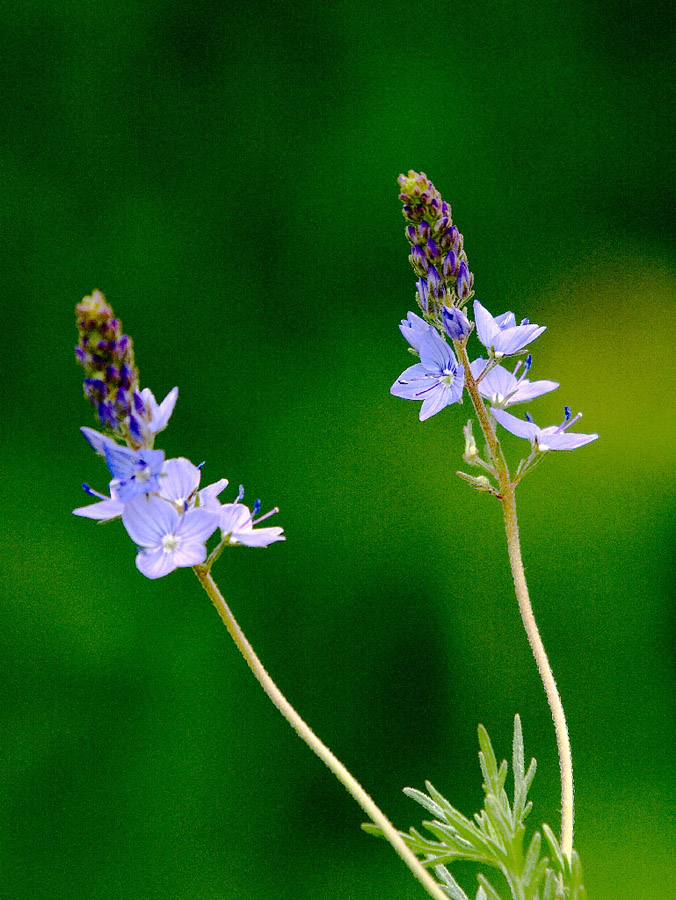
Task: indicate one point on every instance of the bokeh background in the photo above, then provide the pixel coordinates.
(225, 173)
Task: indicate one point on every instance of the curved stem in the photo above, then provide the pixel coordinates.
(544, 668)
(314, 743)
(508, 500)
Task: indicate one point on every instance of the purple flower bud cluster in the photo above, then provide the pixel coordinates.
(437, 252)
(111, 378)
(159, 500)
(444, 285)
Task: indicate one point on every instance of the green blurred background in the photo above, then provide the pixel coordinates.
(225, 173)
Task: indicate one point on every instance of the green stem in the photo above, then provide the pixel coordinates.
(546, 674)
(314, 743)
(508, 499)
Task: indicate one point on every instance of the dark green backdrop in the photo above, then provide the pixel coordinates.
(225, 173)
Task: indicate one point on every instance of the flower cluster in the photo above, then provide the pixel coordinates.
(444, 286)
(111, 382)
(159, 500)
(437, 247)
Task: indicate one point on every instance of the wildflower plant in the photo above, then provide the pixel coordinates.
(175, 522)
(439, 335)
(171, 519)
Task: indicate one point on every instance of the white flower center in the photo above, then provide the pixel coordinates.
(143, 475)
(170, 543)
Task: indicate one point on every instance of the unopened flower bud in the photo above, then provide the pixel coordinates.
(432, 250)
(450, 266)
(422, 295)
(463, 287)
(419, 260)
(456, 324)
(471, 449)
(435, 284)
(478, 482)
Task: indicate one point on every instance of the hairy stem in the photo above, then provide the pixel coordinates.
(516, 563)
(314, 743)
(544, 668)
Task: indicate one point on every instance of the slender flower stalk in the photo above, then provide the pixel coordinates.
(304, 731)
(170, 519)
(445, 285)
(507, 497)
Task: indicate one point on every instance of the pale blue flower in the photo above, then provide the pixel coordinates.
(413, 328)
(167, 540)
(237, 524)
(500, 334)
(437, 379)
(237, 521)
(137, 471)
(553, 437)
(502, 388)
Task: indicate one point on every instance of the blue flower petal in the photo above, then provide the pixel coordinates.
(155, 563)
(435, 354)
(437, 399)
(413, 328)
(518, 427)
(413, 390)
(511, 340)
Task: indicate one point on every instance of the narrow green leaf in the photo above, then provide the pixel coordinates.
(481, 893)
(414, 841)
(448, 811)
(530, 774)
(424, 846)
(450, 814)
(502, 777)
(449, 884)
(518, 768)
(550, 886)
(554, 846)
(449, 836)
(425, 801)
(532, 857)
(518, 762)
(474, 843)
(491, 893)
(539, 873)
(554, 888)
(500, 821)
(577, 889)
(489, 764)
